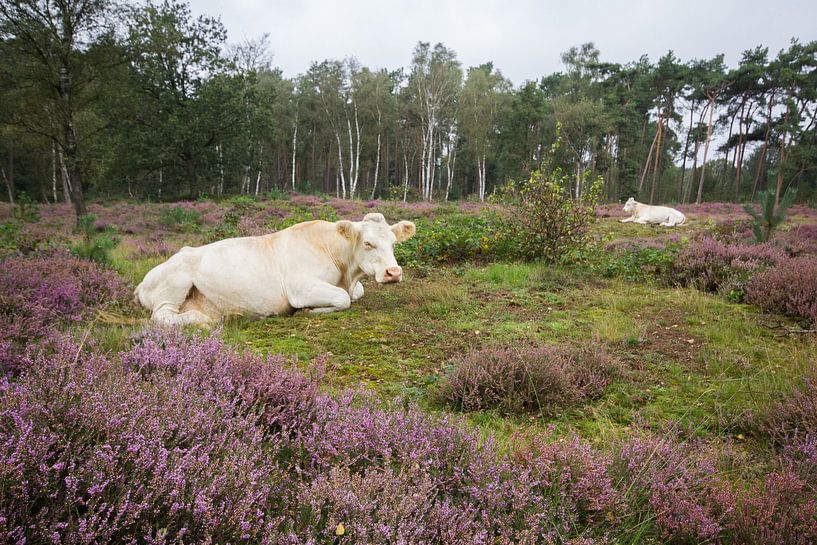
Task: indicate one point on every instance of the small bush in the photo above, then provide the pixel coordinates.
(770, 217)
(543, 221)
(713, 266)
(790, 288)
(452, 239)
(95, 245)
(795, 415)
(41, 293)
(181, 216)
(527, 379)
(26, 209)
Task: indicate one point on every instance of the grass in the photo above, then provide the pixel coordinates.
(692, 359)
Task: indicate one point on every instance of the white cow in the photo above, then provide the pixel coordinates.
(315, 265)
(647, 213)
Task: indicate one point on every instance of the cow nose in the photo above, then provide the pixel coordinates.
(393, 274)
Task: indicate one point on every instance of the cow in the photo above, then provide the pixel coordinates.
(647, 213)
(315, 265)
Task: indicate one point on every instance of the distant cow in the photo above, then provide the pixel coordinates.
(315, 265)
(647, 213)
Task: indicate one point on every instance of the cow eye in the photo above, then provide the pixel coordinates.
(368, 245)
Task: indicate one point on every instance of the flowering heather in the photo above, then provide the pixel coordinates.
(40, 293)
(789, 288)
(795, 415)
(184, 440)
(711, 265)
(677, 482)
(533, 378)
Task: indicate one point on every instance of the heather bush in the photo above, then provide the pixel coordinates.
(676, 482)
(91, 452)
(39, 294)
(789, 288)
(527, 379)
(795, 415)
(713, 266)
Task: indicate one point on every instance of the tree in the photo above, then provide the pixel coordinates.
(434, 83)
(56, 59)
(484, 100)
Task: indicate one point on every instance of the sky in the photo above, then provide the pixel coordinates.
(523, 38)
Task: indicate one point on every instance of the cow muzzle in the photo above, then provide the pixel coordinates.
(392, 274)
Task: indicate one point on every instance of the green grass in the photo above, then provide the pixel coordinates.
(691, 359)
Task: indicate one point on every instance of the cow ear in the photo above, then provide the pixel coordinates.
(374, 216)
(346, 228)
(403, 230)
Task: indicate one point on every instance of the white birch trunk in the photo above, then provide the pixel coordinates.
(66, 180)
(376, 166)
(340, 167)
(294, 148)
(405, 176)
(53, 175)
(220, 190)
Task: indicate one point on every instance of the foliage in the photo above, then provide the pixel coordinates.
(95, 245)
(543, 220)
(788, 288)
(187, 218)
(40, 293)
(770, 217)
(713, 266)
(633, 262)
(795, 415)
(527, 379)
(26, 209)
(452, 239)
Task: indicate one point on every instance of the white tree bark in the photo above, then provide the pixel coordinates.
(53, 175)
(450, 163)
(66, 180)
(294, 148)
(706, 150)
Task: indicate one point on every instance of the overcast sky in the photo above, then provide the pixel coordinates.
(523, 38)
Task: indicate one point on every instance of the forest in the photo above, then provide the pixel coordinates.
(145, 101)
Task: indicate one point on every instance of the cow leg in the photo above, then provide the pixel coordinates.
(642, 221)
(320, 298)
(168, 314)
(357, 291)
(625, 220)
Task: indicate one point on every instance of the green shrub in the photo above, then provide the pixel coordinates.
(543, 221)
(452, 239)
(95, 245)
(633, 263)
(185, 217)
(26, 209)
(769, 218)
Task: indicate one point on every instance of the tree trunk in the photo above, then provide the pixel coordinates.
(66, 180)
(649, 158)
(763, 149)
(657, 158)
(70, 149)
(706, 149)
(53, 172)
(376, 164)
(686, 153)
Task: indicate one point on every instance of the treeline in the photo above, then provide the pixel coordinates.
(146, 101)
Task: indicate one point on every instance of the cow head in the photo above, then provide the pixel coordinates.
(629, 206)
(373, 240)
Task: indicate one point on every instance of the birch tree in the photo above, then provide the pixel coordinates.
(435, 81)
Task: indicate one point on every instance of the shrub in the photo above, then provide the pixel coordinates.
(543, 221)
(789, 288)
(713, 266)
(41, 293)
(676, 482)
(795, 415)
(94, 245)
(26, 209)
(527, 379)
(181, 216)
(770, 217)
(452, 239)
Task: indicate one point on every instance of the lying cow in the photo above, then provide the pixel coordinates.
(315, 265)
(647, 213)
